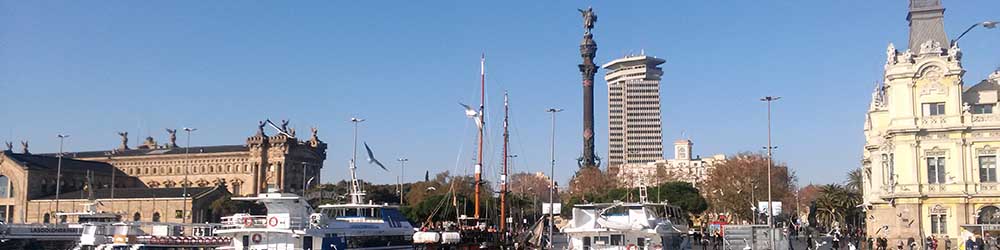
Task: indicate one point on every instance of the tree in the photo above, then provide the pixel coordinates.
(854, 181)
(737, 184)
(682, 194)
(837, 205)
(590, 179)
(226, 206)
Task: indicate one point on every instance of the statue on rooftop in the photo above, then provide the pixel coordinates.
(315, 137)
(10, 146)
(173, 138)
(24, 147)
(124, 135)
(260, 128)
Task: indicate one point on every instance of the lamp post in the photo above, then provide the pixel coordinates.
(552, 173)
(62, 137)
(986, 24)
(770, 205)
(187, 158)
(402, 170)
(355, 190)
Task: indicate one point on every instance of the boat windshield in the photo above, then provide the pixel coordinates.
(353, 212)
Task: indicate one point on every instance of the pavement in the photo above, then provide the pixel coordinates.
(798, 243)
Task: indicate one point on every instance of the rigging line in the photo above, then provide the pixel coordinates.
(451, 184)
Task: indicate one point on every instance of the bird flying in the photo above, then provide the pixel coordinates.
(474, 114)
(371, 158)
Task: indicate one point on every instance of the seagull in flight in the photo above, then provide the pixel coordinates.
(474, 114)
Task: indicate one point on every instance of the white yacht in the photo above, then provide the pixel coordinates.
(631, 226)
(291, 223)
(129, 236)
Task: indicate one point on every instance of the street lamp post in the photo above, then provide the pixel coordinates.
(986, 24)
(402, 170)
(187, 158)
(552, 173)
(62, 137)
(770, 205)
(355, 190)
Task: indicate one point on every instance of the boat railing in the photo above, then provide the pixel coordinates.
(258, 221)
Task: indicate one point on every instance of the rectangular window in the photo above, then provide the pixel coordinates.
(935, 170)
(178, 214)
(988, 169)
(982, 108)
(939, 224)
(616, 240)
(932, 109)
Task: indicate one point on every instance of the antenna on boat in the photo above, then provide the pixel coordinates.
(357, 195)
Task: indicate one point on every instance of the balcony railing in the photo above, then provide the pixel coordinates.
(985, 119)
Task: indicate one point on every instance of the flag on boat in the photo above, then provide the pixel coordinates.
(371, 158)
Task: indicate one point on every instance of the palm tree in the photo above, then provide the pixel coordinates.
(854, 181)
(837, 205)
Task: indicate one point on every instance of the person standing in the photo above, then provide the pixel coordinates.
(809, 241)
(947, 243)
(980, 244)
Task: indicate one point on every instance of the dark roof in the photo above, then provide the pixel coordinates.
(135, 193)
(158, 151)
(46, 162)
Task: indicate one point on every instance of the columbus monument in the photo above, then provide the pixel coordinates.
(588, 48)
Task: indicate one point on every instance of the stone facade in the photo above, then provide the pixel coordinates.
(25, 177)
(279, 162)
(683, 167)
(929, 162)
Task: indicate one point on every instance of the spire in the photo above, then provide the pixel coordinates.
(926, 19)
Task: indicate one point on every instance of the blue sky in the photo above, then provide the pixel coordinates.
(90, 70)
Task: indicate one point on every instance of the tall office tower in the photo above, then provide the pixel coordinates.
(635, 136)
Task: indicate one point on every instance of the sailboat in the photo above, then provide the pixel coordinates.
(472, 232)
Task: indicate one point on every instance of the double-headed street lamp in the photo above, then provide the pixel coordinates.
(62, 137)
(770, 205)
(552, 172)
(184, 185)
(986, 24)
(402, 167)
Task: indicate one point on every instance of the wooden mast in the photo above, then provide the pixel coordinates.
(503, 176)
(482, 123)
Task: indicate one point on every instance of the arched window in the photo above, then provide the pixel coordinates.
(236, 188)
(136, 216)
(62, 219)
(156, 217)
(46, 218)
(4, 185)
(989, 215)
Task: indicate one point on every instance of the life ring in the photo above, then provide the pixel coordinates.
(248, 222)
(256, 238)
(273, 221)
(631, 247)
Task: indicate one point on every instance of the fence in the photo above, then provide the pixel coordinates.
(739, 237)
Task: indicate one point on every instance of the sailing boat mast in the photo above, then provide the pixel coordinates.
(482, 123)
(503, 177)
